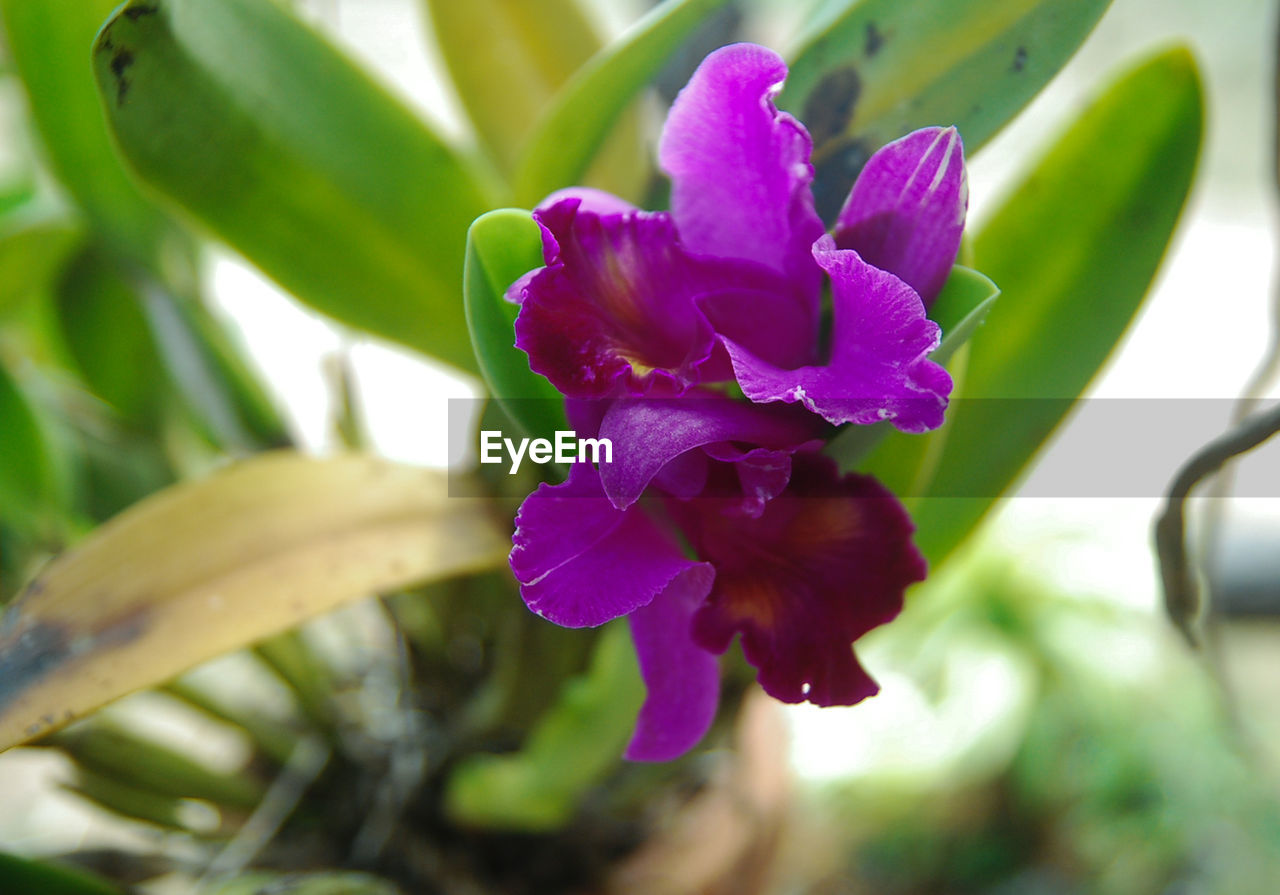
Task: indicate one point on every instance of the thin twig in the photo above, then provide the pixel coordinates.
(309, 758)
(1181, 595)
(407, 758)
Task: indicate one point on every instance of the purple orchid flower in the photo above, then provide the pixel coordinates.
(638, 315)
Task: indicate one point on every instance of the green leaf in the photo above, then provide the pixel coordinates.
(502, 246)
(1074, 248)
(960, 308)
(30, 255)
(49, 42)
(107, 336)
(25, 875)
(874, 70)
(209, 566)
(224, 398)
(33, 481)
(107, 792)
(570, 750)
(574, 126)
(113, 752)
(328, 883)
(137, 345)
(507, 60)
(261, 130)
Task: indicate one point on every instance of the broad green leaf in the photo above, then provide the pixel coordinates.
(571, 130)
(25, 875)
(50, 43)
(502, 246)
(575, 743)
(136, 345)
(209, 566)
(959, 309)
(107, 336)
(262, 131)
(507, 59)
(224, 398)
(30, 254)
(873, 70)
(1074, 248)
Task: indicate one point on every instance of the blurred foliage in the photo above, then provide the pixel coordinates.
(1122, 774)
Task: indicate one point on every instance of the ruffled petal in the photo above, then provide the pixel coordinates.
(761, 474)
(906, 211)
(580, 561)
(647, 434)
(740, 169)
(590, 200)
(616, 310)
(879, 367)
(682, 678)
(827, 561)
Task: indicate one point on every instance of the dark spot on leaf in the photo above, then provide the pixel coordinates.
(1020, 59)
(834, 173)
(829, 108)
(31, 650)
(133, 13)
(875, 40)
(107, 43)
(120, 63)
(28, 656)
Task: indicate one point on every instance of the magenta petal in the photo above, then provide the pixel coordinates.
(827, 561)
(617, 309)
(613, 311)
(590, 200)
(682, 679)
(740, 169)
(762, 474)
(649, 434)
(879, 368)
(581, 562)
(906, 211)
(684, 477)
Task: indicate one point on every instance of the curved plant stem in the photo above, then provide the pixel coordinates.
(1181, 595)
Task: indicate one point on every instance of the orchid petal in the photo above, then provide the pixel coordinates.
(827, 561)
(762, 474)
(682, 679)
(616, 309)
(905, 213)
(647, 434)
(740, 169)
(590, 200)
(879, 368)
(580, 561)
